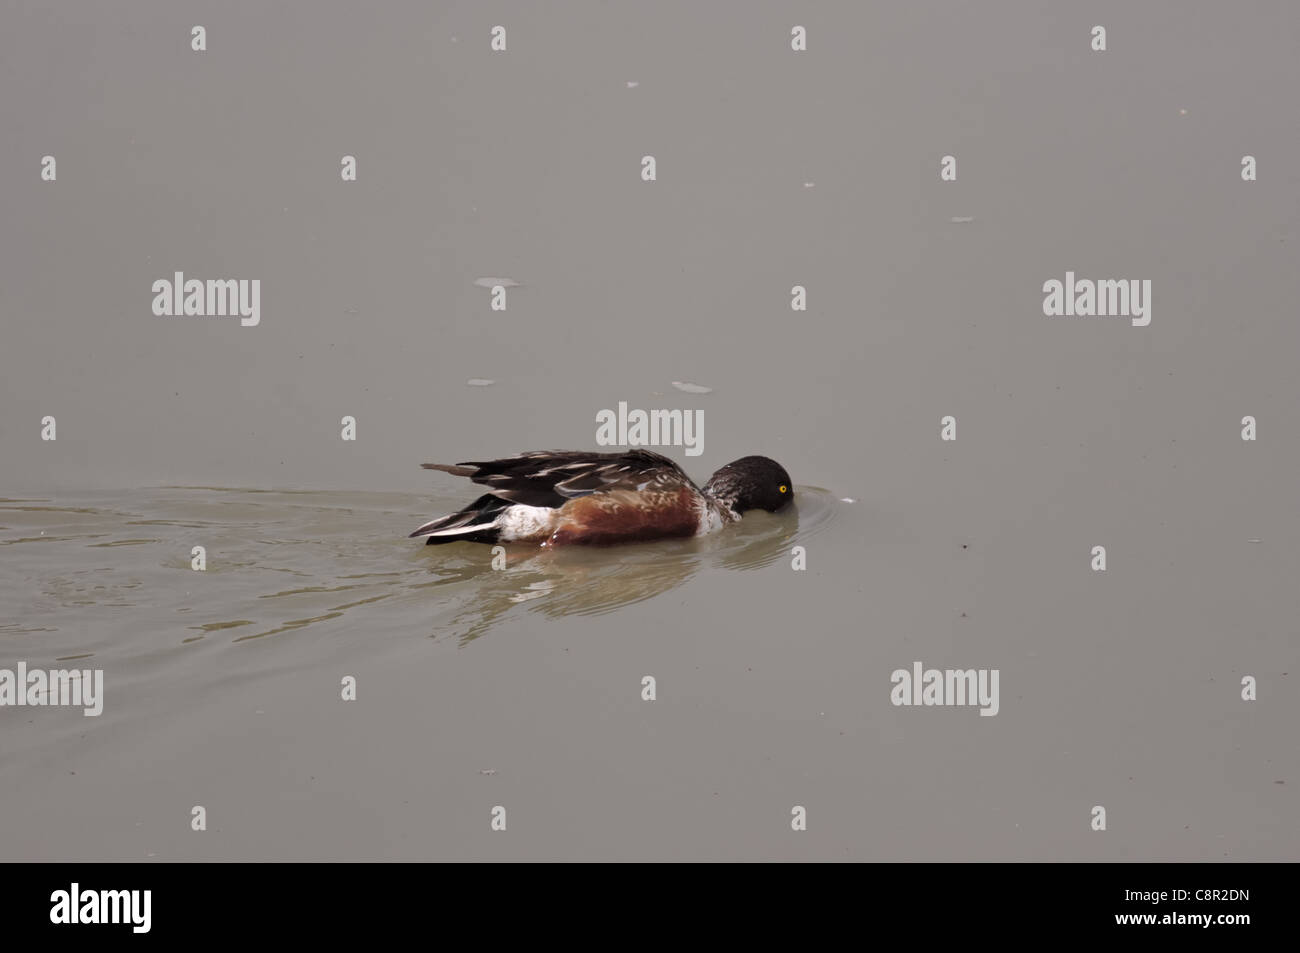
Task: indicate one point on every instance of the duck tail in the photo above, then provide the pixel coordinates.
(476, 523)
(458, 469)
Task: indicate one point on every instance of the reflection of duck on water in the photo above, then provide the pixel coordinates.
(559, 497)
(577, 581)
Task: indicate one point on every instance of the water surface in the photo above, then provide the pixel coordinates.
(107, 574)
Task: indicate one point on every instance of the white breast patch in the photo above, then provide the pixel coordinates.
(526, 522)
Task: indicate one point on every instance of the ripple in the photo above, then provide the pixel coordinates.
(289, 626)
(49, 539)
(218, 626)
(306, 589)
(342, 542)
(186, 524)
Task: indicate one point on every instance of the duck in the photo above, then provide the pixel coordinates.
(555, 498)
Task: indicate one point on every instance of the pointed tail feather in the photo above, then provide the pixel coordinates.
(475, 523)
(454, 470)
(489, 535)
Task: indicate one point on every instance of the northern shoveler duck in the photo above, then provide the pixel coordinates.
(557, 497)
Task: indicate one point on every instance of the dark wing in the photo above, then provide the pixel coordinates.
(553, 477)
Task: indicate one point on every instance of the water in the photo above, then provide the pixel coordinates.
(523, 687)
(205, 669)
(109, 576)
(224, 687)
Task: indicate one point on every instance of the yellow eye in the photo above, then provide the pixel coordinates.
(784, 488)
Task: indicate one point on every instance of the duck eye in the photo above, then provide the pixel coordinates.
(784, 488)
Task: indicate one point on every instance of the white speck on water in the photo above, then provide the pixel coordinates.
(1182, 112)
(809, 185)
(690, 388)
(480, 382)
(961, 219)
(632, 84)
(1254, 541)
(847, 499)
(493, 282)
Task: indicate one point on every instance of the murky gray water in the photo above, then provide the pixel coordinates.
(103, 576)
(522, 688)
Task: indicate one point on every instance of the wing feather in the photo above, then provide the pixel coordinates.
(553, 477)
